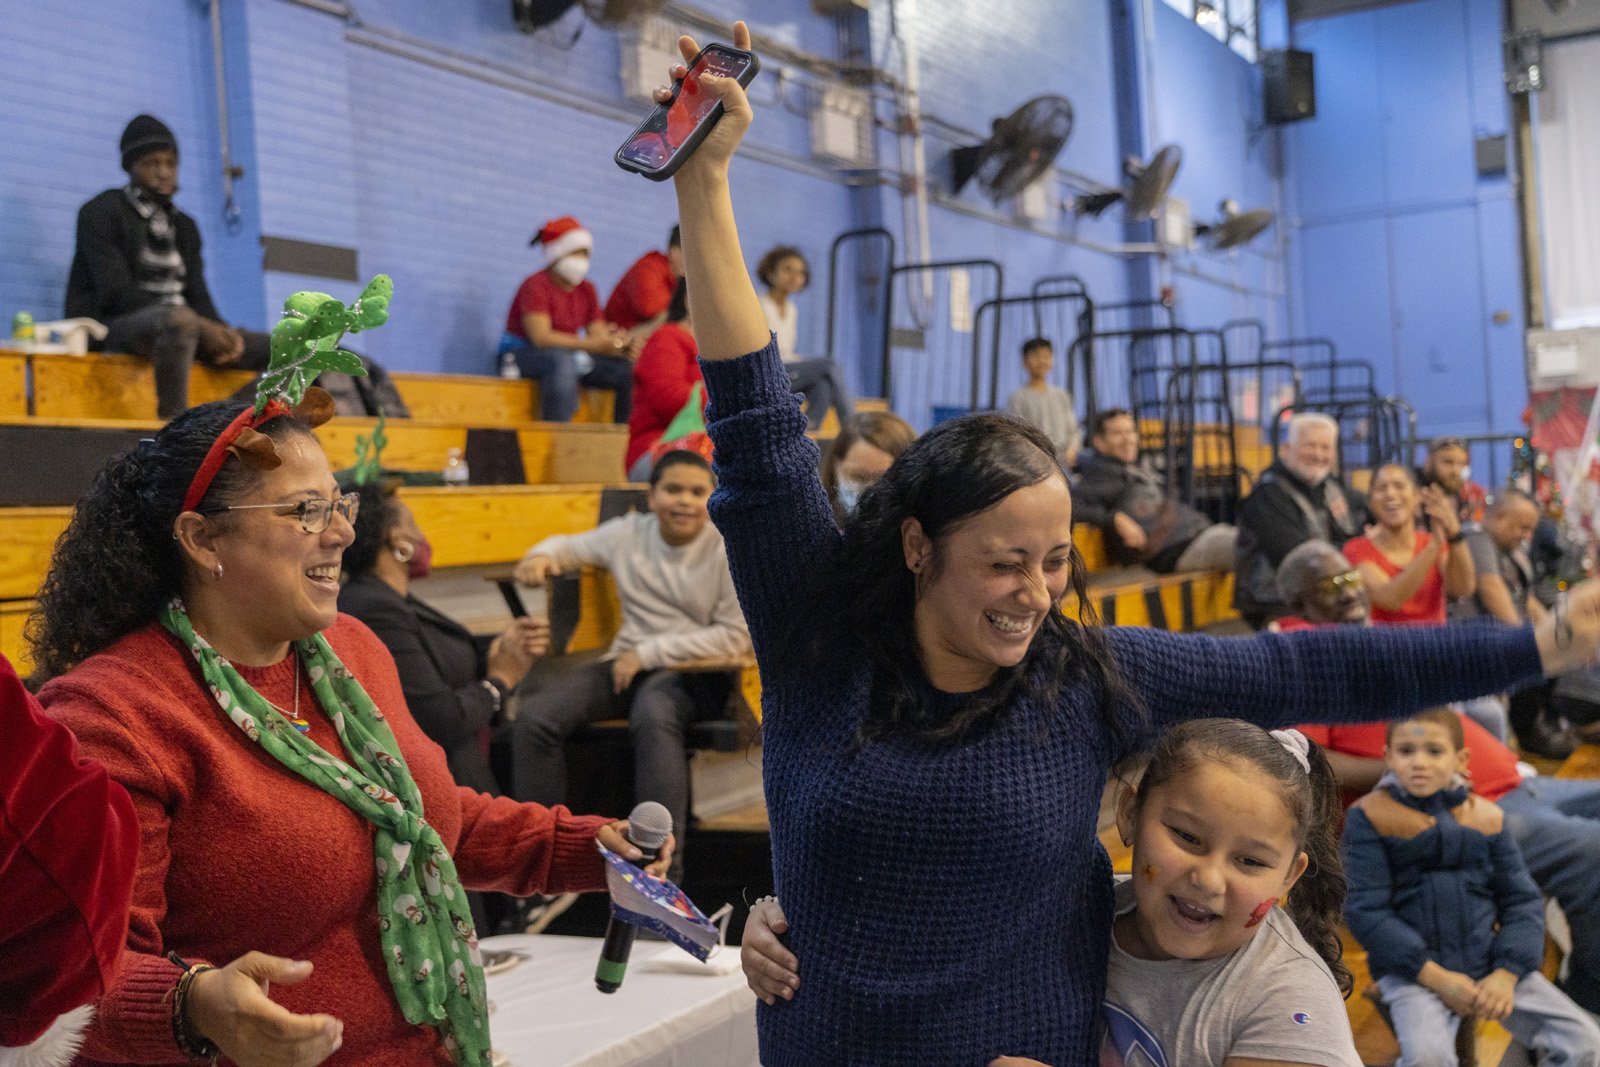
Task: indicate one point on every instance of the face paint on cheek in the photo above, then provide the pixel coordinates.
(1149, 872)
(1261, 912)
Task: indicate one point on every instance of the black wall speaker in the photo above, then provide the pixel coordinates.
(1289, 86)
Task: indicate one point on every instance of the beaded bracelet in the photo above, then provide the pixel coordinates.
(191, 1044)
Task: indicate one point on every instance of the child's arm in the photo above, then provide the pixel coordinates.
(568, 552)
(1519, 943)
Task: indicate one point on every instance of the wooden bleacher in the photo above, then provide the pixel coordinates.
(567, 466)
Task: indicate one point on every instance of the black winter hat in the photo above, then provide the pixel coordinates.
(145, 134)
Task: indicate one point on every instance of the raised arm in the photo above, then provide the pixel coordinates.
(769, 503)
(727, 316)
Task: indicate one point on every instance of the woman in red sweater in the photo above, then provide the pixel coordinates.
(287, 802)
(1408, 571)
(663, 379)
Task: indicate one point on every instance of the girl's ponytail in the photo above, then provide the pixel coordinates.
(1317, 900)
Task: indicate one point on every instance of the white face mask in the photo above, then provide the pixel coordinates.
(571, 269)
(849, 493)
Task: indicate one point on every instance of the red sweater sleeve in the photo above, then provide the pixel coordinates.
(133, 1022)
(522, 849)
(68, 844)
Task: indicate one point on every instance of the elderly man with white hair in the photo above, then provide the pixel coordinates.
(1297, 499)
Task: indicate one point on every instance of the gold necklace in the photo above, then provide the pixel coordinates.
(294, 720)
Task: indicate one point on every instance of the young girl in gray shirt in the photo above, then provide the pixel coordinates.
(1225, 945)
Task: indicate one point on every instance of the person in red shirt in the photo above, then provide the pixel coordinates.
(639, 302)
(1555, 822)
(663, 380)
(557, 333)
(1407, 571)
(270, 753)
(68, 850)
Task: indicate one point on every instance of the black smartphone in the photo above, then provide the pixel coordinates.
(675, 129)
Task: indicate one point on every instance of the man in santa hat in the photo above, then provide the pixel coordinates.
(557, 333)
(68, 847)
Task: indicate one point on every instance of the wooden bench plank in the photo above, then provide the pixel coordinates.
(13, 618)
(13, 385)
(30, 536)
(497, 524)
(1583, 763)
(102, 386)
(482, 400)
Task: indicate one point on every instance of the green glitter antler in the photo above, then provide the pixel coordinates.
(368, 452)
(305, 341)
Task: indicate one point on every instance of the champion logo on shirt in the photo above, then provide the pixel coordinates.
(1301, 1017)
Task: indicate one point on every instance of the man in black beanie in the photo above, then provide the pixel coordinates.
(137, 269)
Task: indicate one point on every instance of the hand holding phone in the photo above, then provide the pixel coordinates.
(677, 126)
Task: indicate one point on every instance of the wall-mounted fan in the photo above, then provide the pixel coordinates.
(1147, 186)
(1235, 227)
(531, 15)
(1019, 150)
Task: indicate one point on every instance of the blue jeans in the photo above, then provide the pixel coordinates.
(822, 384)
(556, 371)
(1556, 825)
(1542, 1020)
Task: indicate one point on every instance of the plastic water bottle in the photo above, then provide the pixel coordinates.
(455, 469)
(508, 366)
(22, 329)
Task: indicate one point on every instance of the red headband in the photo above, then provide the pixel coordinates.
(255, 449)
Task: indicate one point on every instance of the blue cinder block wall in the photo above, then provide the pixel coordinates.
(433, 138)
(1403, 254)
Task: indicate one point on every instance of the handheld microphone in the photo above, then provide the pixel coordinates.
(649, 826)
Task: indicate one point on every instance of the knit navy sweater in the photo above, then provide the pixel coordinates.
(950, 904)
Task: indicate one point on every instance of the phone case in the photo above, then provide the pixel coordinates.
(658, 117)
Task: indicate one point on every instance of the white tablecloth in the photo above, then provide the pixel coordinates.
(672, 1010)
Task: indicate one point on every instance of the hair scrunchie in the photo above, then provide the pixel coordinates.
(1296, 744)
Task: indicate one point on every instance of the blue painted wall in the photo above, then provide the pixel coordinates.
(74, 79)
(1403, 255)
(434, 138)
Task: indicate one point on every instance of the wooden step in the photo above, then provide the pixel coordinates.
(552, 452)
(1584, 763)
(30, 536)
(115, 387)
(496, 524)
(112, 386)
(13, 385)
(1177, 602)
(13, 644)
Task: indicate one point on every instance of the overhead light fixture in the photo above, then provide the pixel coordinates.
(1206, 15)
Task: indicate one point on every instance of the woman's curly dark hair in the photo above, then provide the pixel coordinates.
(1317, 901)
(953, 472)
(118, 562)
(378, 514)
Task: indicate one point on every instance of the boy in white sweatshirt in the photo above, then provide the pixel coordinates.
(678, 604)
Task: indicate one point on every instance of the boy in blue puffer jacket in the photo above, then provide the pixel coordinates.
(1442, 902)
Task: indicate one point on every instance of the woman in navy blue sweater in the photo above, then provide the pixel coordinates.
(937, 732)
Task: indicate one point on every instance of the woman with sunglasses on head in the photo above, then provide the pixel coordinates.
(937, 731)
(288, 802)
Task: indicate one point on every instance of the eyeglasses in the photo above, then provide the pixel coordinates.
(314, 514)
(1336, 584)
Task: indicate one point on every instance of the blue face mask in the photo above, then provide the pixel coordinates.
(849, 494)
